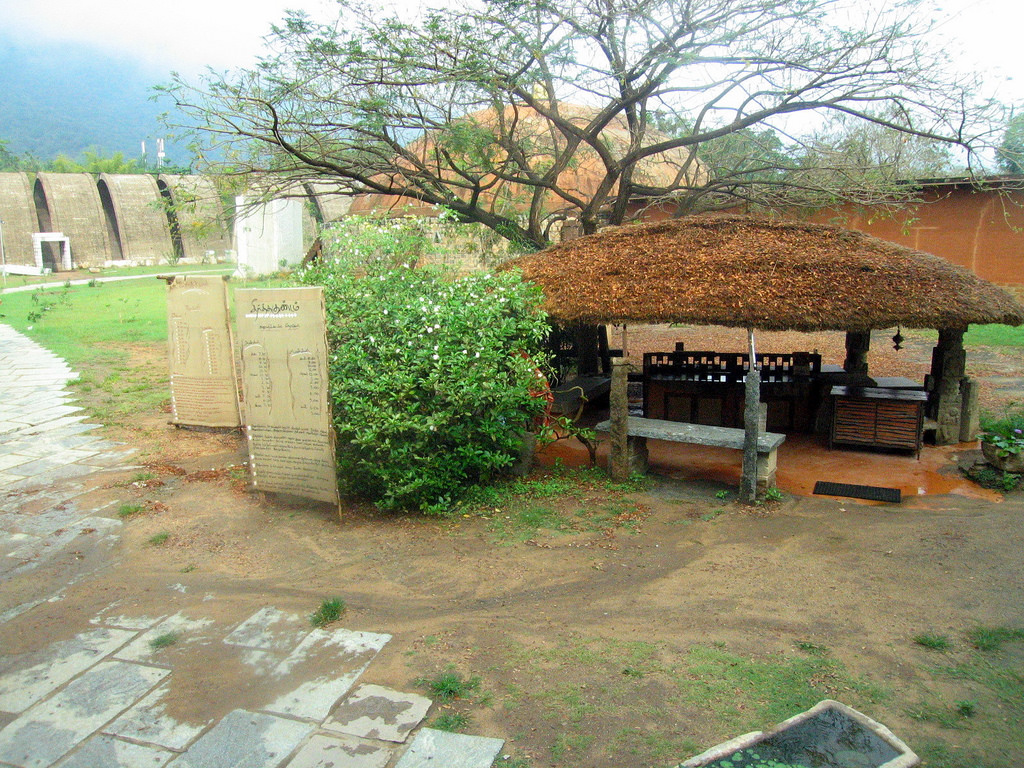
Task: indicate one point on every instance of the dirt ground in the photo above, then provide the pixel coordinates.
(602, 648)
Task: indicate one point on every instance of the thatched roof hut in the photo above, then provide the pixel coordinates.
(139, 215)
(747, 272)
(199, 213)
(19, 218)
(70, 203)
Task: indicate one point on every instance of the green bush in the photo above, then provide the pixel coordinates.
(433, 378)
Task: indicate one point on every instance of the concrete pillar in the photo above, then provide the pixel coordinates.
(618, 402)
(857, 345)
(970, 415)
(751, 422)
(949, 363)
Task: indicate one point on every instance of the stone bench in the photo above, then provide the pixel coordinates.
(640, 429)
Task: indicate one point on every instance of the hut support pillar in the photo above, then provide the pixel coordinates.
(628, 454)
(949, 364)
(751, 424)
(970, 415)
(857, 345)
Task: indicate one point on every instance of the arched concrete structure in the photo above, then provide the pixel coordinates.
(140, 216)
(70, 203)
(197, 215)
(18, 213)
(327, 203)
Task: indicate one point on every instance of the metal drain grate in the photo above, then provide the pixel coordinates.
(870, 492)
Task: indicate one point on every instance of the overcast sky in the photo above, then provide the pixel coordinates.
(187, 35)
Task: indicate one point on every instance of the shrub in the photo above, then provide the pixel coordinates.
(433, 379)
(367, 243)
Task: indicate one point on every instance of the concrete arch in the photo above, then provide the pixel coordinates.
(328, 204)
(110, 222)
(139, 215)
(70, 203)
(18, 212)
(197, 216)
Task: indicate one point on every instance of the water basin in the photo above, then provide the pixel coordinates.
(829, 735)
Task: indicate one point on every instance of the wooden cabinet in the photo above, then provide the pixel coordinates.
(876, 417)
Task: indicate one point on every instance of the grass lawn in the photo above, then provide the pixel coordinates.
(84, 274)
(994, 336)
(984, 336)
(113, 334)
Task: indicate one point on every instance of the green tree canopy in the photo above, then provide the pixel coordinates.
(1010, 154)
(517, 114)
(93, 161)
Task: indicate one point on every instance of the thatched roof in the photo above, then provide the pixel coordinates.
(741, 271)
(142, 226)
(18, 213)
(71, 204)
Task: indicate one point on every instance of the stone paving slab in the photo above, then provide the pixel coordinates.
(138, 623)
(59, 475)
(49, 730)
(245, 740)
(343, 653)
(21, 688)
(74, 427)
(107, 752)
(340, 752)
(58, 516)
(140, 650)
(9, 542)
(13, 460)
(48, 412)
(270, 630)
(52, 461)
(148, 721)
(375, 712)
(32, 554)
(434, 749)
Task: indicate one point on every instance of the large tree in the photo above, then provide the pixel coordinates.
(518, 113)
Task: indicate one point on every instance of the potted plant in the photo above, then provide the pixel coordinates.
(1002, 441)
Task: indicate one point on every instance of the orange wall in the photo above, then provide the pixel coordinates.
(982, 230)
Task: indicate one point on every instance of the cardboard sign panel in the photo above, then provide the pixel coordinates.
(282, 337)
(203, 387)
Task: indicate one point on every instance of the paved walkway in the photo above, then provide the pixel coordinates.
(100, 699)
(43, 436)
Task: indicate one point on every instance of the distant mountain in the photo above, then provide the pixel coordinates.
(67, 98)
